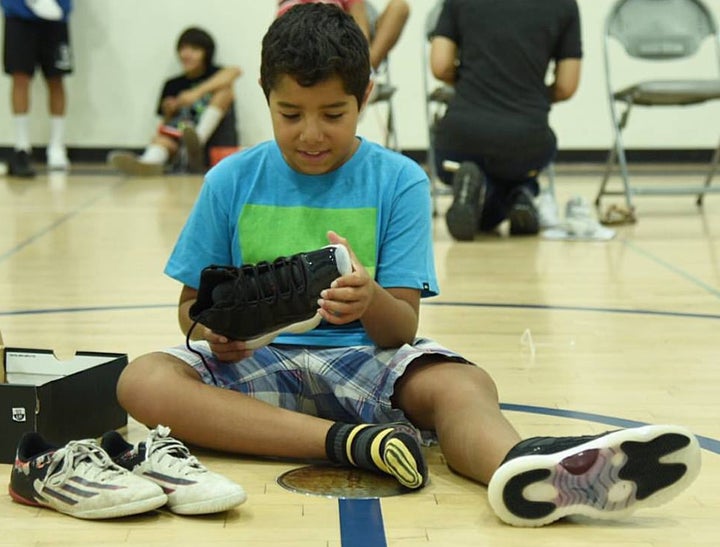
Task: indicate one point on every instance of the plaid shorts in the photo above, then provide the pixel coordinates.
(349, 384)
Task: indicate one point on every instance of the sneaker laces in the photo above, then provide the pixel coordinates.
(85, 457)
(171, 452)
(269, 281)
(188, 345)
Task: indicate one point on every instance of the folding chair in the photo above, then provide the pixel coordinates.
(384, 91)
(437, 96)
(657, 30)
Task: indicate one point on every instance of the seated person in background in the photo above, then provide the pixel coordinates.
(496, 55)
(382, 30)
(196, 107)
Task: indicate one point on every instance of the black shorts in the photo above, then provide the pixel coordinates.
(29, 43)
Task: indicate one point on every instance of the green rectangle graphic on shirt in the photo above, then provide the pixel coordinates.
(267, 232)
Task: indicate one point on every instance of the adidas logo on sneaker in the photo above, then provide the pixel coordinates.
(257, 302)
(78, 479)
(190, 487)
(605, 476)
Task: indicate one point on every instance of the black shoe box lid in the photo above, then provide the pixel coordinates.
(63, 400)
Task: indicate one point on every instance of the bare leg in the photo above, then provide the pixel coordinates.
(460, 402)
(158, 388)
(222, 99)
(21, 93)
(388, 29)
(56, 96)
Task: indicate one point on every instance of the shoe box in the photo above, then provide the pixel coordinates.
(63, 400)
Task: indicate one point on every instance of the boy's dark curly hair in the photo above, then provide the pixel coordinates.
(313, 42)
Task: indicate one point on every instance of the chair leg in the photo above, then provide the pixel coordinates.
(609, 164)
(550, 170)
(618, 152)
(391, 141)
(710, 175)
(432, 171)
(622, 162)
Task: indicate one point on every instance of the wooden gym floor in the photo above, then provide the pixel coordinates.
(616, 333)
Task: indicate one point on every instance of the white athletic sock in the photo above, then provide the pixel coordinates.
(155, 153)
(208, 122)
(57, 132)
(22, 132)
(45, 9)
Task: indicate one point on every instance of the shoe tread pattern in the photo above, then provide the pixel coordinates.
(606, 482)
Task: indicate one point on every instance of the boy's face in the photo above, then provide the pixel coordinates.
(192, 59)
(314, 126)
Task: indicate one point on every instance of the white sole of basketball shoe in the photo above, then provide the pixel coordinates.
(608, 489)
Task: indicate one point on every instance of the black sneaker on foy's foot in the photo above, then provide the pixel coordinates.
(191, 488)
(605, 476)
(78, 479)
(463, 216)
(257, 302)
(523, 215)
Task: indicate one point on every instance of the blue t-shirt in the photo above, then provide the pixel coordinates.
(253, 206)
(18, 8)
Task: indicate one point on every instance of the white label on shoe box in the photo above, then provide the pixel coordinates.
(19, 414)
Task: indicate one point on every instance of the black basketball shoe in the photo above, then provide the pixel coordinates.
(523, 215)
(255, 303)
(463, 216)
(605, 476)
(19, 164)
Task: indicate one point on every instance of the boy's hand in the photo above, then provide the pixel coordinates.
(350, 295)
(226, 350)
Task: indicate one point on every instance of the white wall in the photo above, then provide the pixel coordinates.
(124, 49)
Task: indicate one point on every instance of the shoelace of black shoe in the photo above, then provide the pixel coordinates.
(160, 443)
(68, 459)
(196, 352)
(281, 278)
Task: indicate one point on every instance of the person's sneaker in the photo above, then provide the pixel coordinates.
(524, 217)
(547, 208)
(78, 479)
(57, 159)
(256, 302)
(463, 216)
(193, 150)
(607, 476)
(190, 487)
(130, 164)
(19, 164)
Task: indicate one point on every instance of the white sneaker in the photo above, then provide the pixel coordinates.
(57, 159)
(547, 210)
(78, 479)
(579, 218)
(190, 487)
